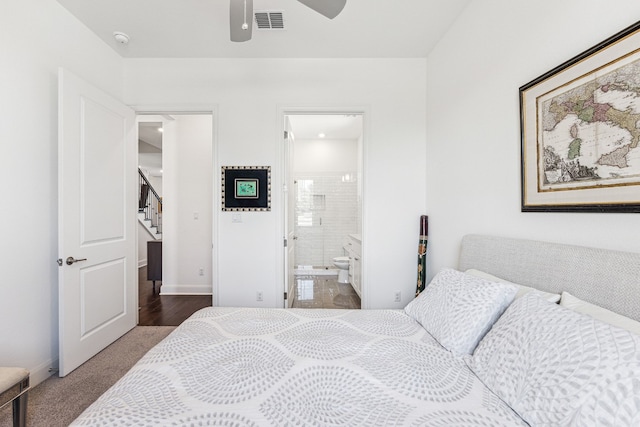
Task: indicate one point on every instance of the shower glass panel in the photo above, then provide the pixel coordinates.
(308, 226)
(326, 212)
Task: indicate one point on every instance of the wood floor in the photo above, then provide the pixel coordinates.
(319, 291)
(165, 310)
(171, 310)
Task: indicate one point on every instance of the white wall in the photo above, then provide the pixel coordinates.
(187, 205)
(36, 37)
(473, 139)
(156, 183)
(250, 96)
(325, 156)
(143, 237)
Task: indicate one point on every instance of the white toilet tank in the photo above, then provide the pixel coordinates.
(341, 262)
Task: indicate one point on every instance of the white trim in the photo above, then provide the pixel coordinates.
(192, 109)
(185, 289)
(215, 212)
(283, 110)
(163, 110)
(42, 372)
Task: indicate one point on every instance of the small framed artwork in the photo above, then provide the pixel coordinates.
(580, 131)
(246, 188)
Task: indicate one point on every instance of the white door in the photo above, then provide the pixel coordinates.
(96, 220)
(289, 217)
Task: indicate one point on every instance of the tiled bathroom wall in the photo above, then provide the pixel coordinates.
(327, 210)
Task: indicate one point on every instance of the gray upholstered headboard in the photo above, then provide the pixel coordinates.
(610, 279)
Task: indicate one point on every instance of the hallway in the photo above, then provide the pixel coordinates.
(166, 310)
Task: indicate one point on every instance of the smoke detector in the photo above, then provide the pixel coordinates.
(121, 37)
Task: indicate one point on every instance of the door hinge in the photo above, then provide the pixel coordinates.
(285, 296)
(285, 243)
(286, 134)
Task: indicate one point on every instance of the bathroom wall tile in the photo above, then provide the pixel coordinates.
(327, 211)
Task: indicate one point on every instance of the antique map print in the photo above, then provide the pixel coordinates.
(590, 131)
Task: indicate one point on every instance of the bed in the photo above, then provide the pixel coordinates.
(478, 348)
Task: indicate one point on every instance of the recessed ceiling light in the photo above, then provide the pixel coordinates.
(321, 135)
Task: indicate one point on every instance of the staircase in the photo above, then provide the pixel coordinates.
(149, 207)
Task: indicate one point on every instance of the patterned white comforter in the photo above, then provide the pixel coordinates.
(255, 367)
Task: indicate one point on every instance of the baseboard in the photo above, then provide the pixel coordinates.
(42, 372)
(166, 289)
(142, 263)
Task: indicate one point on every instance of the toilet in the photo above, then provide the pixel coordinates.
(342, 262)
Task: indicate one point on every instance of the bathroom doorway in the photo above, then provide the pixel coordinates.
(324, 216)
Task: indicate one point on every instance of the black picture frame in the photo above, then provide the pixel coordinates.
(551, 171)
(246, 188)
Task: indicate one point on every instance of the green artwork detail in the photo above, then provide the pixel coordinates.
(574, 149)
(246, 188)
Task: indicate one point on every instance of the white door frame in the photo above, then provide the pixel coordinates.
(283, 111)
(212, 110)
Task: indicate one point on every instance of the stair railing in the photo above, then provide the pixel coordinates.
(149, 202)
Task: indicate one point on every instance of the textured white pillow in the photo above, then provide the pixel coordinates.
(555, 366)
(458, 309)
(522, 289)
(599, 313)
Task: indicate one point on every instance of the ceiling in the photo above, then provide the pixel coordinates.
(150, 147)
(150, 133)
(200, 28)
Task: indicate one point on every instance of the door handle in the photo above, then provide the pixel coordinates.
(71, 260)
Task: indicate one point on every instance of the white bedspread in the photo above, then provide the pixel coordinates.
(254, 367)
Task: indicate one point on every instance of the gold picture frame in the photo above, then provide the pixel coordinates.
(580, 131)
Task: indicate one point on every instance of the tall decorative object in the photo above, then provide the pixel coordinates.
(422, 253)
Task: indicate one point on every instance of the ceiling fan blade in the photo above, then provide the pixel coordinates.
(240, 20)
(328, 8)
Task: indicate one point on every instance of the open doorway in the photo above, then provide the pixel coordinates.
(176, 200)
(150, 190)
(324, 212)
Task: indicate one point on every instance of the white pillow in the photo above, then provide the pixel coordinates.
(522, 289)
(599, 313)
(458, 309)
(555, 366)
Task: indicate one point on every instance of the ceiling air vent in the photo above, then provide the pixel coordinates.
(266, 20)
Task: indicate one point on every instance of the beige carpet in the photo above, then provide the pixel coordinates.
(58, 401)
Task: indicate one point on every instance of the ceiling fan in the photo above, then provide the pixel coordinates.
(241, 11)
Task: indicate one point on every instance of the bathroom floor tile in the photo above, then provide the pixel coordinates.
(324, 292)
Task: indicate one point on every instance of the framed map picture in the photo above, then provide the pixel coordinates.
(580, 131)
(246, 188)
